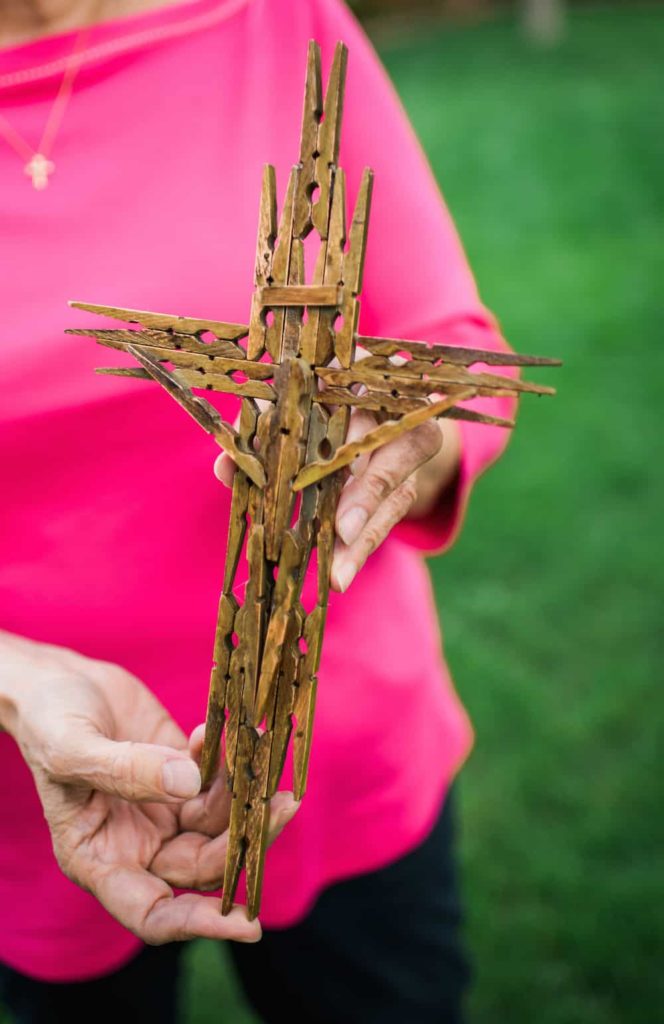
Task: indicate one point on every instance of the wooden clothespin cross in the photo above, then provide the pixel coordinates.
(297, 379)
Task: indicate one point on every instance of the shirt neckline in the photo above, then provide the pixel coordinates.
(40, 60)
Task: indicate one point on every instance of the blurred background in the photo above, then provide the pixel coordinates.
(544, 125)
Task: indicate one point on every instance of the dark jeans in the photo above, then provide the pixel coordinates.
(144, 991)
(382, 948)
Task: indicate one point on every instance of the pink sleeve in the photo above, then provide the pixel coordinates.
(480, 446)
(417, 281)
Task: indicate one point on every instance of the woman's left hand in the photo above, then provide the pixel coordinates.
(403, 477)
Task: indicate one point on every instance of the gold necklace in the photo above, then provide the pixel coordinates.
(37, 163)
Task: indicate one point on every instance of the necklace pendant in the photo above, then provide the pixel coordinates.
(38, 168)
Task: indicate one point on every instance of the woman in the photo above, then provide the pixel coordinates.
(133, 137)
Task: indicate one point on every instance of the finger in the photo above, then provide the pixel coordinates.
(283, 808)
(360, 423)
(196, 739)
(349, 559)
(209, 811)
(146, 905)
(388, 468)
(195, 861)
(133, 771)
(224, 469)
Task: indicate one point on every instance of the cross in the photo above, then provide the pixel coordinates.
(38, 168)
(297, 376)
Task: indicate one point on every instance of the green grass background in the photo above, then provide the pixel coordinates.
(553, 165)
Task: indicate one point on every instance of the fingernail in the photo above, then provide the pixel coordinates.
(351, 523)
(223, 470)
(181, 778)
(345, 575)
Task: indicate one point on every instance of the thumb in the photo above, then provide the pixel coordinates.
(133, 771)
(224, 469)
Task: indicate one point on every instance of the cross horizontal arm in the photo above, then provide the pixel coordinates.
(119, 337)
(123, 371)
(167, 321)
(204, 414)
(411, 381)
(376, 438)
(193, 379)
(211, 365)
(208, 366)
(384, 402)
(450, 353)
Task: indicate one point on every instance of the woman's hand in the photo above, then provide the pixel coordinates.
(404, 477)
(120, 790)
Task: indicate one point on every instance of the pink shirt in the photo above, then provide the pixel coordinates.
(112, 538)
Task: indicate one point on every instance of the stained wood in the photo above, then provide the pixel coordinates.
(166, 321)
(403, 379)
(329, 134)
(205, 414)
(311, 115)
(353, 268)
(379, 401)
(301, 295)
(451, 353)
(164, 340)
(298, 382)
(226, 385)
(376, 438)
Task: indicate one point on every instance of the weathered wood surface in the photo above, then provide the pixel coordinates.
(376, 438)
(454, 354)
(166, 321)
(298, 379)
(301, 295)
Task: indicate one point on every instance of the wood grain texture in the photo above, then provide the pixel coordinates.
(409, 379)
(376, 438)
(298, 380)
(385, 403)
(170, 341)
(167, 321)
(300, 295)
(454, 354)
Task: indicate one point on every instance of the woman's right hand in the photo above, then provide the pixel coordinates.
(120, 788)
